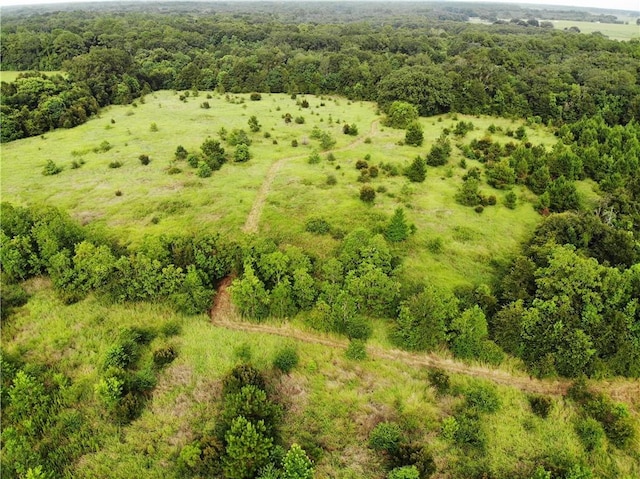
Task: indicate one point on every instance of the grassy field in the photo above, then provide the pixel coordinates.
(614, 31)
(332, 404)
(10, 76)
(452, 245)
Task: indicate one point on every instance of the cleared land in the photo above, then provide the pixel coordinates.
(275, 192)
(615, 31)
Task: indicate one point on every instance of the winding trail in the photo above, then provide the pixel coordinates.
(253, 219)
(224, 315)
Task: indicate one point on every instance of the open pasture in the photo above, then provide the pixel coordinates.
(452, 244)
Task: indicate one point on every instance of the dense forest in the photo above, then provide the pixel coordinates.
(566, 305)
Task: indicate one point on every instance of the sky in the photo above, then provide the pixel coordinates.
(633, 5)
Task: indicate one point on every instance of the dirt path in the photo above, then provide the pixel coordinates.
(224, 315)
(253, 219)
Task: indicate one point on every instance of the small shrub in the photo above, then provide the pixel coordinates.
(367, 194)
(205, 105)
(314, 158)
(193, 160)
(204, 170)
(367, 140)
(50, 168)
(286, 359)
(299, 120)
(255, 97)
(304, 104)
(483, 398)
(144, 159)
(241, 376)
(386, 436)
(153, 127)
(439, 380)
(75, 165)
(356, 351)
(540, 405)
(491, 200)
(479, 209)
(331, 157)
(115, 164)
(267, 134)
(331, 180)
(173, 170)
(118, 193)
(373, 171)
(381, 189)
(404, 472)
(164, 355)
(181, 153)
(510, 200)
(359, 328)
(318, 226)
(362, 165)
(294, 143)
(590, 433)
(435, 245)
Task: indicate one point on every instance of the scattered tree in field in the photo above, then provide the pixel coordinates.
(241, 154)
(501, 175)
(414, 135)
(296, 464)
(238, 137)
(469, 193)
(213, 154)
(440, 152)
(204, 171)
(401, 114)
(254, 125)
(417, 171)
(397, 230)
(248, 448)
(350, 129)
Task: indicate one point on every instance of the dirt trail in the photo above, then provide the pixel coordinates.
(253, 219)
(224, 315)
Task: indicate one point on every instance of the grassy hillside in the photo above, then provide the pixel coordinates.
(452, 244)
(331, 404)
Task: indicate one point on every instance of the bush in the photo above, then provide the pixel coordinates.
(356, 351)
(205, 105)
(386, 437)
(241, 376)
(367, 194)
(483, 398)
(181, 153)
(314, 158)
(404, 472)
(373, 171)
(359, 327)
(255, 97)
(491, 200)
(193, 160)
(439, 380)
(294, 143)
(304, 104)
(362, 165)
(318, 226)
(414, 135)
(299, 120)
(510, 200)
(144, 159)
(286, 359)
(174, 170)
(115, 164)
(331, 180)
(118, 193)
(51, 169)
(153, 127)
(540, 405)
(590, 433)
(204, 170)
(417, 171)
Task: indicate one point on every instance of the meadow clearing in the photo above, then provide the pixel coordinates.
(452, 245)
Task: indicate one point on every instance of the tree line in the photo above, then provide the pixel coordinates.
(436, 65)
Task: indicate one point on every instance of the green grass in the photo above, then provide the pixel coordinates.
(614, 31)
(332, 404)
(152, 202)
(11, 75)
